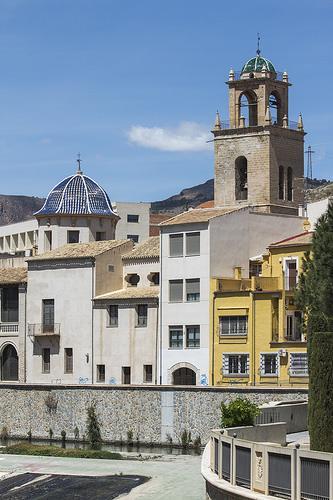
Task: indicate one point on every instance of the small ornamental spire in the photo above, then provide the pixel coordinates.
(300, 122)
(258, 45)
(217, 125)
(79, 171)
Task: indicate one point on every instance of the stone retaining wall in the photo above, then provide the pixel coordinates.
(152, 413)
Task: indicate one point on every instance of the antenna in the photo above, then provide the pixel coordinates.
(258, 44)
(309, 154)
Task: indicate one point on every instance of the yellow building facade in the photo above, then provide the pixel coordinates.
(256, 331)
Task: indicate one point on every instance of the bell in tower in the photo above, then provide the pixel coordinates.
(259, 157)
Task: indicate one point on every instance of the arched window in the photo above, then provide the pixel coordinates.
(241, 178)
(281, 182)
(184, 376)
(274, 102)
(290, 184)
(248, 108)
(9, 363)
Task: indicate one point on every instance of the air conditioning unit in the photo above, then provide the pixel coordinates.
(282, 353)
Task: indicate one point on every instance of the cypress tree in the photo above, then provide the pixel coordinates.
(315, 298)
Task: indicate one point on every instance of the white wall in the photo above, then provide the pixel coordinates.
(185, 313)
(71, 289)
(316, 209)
(125, 228)
(127, 344)
(238, 236)
(18, 237)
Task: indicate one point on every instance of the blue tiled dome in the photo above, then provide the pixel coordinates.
(77, 195)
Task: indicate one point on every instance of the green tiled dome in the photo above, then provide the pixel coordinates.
(256, 64)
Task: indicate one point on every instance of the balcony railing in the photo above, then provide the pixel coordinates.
(290, 282)
(41, 330)
(225, 125)
(238, 75)
(9, 327)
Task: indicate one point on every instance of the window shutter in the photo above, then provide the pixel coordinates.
(193, 286)
(176, 245)
(262, 364)
(225, 364)
(193, 243)
(176, 290)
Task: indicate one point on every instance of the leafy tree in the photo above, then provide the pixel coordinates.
(93, 427)
(315, 297)
(239, 412)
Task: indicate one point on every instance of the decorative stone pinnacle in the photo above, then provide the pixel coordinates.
(231, 75)
(217, 125)
(285, 121)
(285, 76)
(300, 122)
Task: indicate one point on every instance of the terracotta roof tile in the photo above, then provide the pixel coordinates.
(197, 215)
(296, 240)
(148, 249)
(131, 292)
(11, 275)
(79, 250)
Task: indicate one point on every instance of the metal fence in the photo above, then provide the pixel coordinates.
(315, 479)
(243, 466)
(279, 475)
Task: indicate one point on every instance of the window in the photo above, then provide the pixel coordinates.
(269, 364)
(148, 373)
(299, 364)
(241, 178)
(255, 268)
(47, 240)
(132, 218)
(291, 274)
(176, 337)
(193, 336)
(46, 360)
(113, 315)
(142, 314)
(176, 245)
(68, 360)
(290, 184)
(132, 279)
(73, 236)
(154, 278)
(110, 268)
(9, 304)
(126, 375)
(100, 373)
(233, 325)
(100, 235)
(176, 291)
(193, 243)
(133, 237)
(48, 316)
(193, 290)
(281, 182)
(235, 364)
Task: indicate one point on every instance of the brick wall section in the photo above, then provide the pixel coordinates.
(137, 408)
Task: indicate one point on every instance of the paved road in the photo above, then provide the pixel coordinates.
(172, 477)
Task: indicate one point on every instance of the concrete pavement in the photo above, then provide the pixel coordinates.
(175, 477)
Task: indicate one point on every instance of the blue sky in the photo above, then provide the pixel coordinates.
(91, 76)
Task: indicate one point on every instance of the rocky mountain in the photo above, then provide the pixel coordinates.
(194, 196)
(18, 208)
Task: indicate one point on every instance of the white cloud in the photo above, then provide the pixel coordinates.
(188, 136)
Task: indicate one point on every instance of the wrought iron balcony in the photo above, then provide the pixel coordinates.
(42, 330)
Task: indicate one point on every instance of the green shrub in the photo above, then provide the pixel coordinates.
(93, 427)
(55, 451)
(239, 412)
(186, 438)
(4, 434)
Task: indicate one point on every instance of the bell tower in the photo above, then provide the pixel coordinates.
(259, 152)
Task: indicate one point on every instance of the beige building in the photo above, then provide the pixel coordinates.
(126, 320)
(259, 153)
